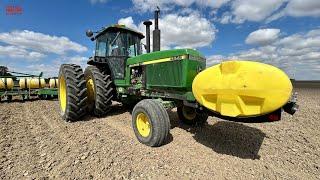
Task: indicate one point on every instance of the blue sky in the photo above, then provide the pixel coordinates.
(285, 33)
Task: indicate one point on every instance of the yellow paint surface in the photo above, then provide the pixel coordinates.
(242, 88)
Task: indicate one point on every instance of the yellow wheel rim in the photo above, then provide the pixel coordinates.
(90, 90)
(62, 94)
(143, 124)
(189, 113)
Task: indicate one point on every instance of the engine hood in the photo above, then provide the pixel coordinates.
(162, 54)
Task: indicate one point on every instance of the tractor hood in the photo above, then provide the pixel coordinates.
(162, 54)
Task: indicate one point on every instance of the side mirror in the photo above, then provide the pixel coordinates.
(89, 33)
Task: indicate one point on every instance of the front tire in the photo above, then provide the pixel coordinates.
(150, 122)
(100, 91)
(72, 92)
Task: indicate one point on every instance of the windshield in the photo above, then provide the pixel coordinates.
(118, 44)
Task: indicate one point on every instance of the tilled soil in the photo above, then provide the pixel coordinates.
(37, 144)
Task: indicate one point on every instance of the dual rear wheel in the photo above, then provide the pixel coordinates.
(81, 92)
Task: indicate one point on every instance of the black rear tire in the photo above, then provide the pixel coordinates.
(71, 77)
(191, 116)
(100, 93)
(158, 119)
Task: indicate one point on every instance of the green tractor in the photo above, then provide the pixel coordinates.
(155, 81)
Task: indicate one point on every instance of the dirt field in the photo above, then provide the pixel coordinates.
(36, 143)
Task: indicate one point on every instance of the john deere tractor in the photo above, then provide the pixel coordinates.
(152, 82)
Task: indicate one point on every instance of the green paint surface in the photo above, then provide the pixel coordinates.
(174, 77)
(161, 54)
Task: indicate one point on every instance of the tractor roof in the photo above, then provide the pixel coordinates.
(118, 27)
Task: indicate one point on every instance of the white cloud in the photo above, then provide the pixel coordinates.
(20, 53)
(52, 69)
(270, 10)
(187, 31)
(298, 8)
(150, 5)
(263, 36)
(98, 1)
(300, 41)
(40, 42)
(253, 10)
(314, 33)
(192, 30)
(240, 10)
(249, 10)
(219, 3)
(275, 16)
(49, 70)
(297, 54)
(79, 60)
(31, 47)
(128, 21)
(214, 59)
(226, 18)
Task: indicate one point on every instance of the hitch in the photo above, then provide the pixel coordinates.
(291, 107)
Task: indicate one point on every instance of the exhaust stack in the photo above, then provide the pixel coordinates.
(148, 24)
(156, 31)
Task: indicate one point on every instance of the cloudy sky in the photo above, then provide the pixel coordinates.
(285, 33)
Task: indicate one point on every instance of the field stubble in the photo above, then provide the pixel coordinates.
(36, 143)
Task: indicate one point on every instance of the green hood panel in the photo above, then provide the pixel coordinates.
(161, 54)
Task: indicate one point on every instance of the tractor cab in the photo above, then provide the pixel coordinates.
(114, 45)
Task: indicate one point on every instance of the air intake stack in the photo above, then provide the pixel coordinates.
(148, 24)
